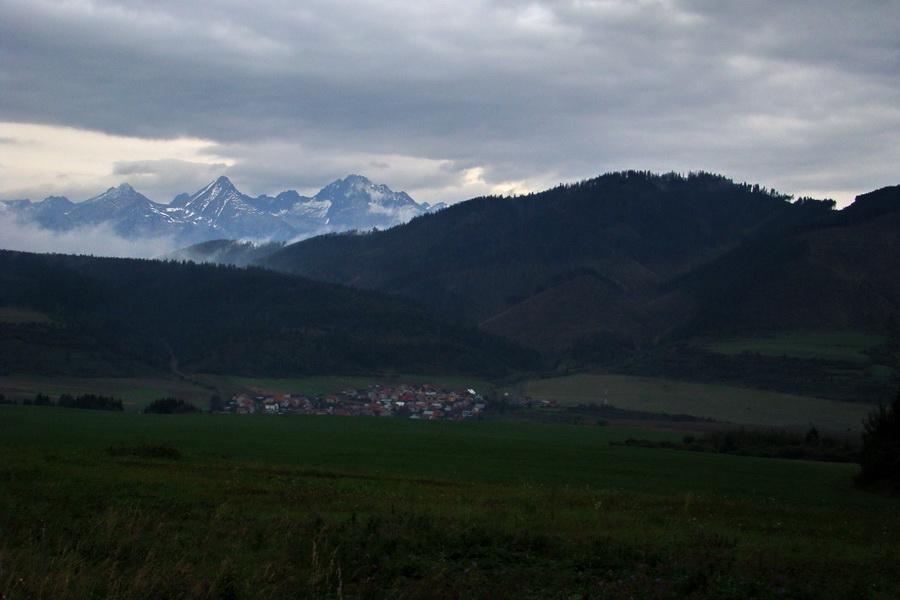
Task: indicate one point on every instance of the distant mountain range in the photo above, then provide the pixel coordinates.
(221, 211)
(681, 276)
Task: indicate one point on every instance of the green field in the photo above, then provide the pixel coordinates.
(135, 392)
(331, 507)
(718, 402)
(849, 346)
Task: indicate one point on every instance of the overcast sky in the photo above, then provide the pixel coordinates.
(445, 100)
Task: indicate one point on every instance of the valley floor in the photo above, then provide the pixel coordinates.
(707, 402)
(128, 506)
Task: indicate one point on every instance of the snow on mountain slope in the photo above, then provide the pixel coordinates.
(357, 203)
(219, 210)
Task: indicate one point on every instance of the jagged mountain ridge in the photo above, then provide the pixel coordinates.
(129, 211)
(220, 210)
(221, 206)
(355, 201)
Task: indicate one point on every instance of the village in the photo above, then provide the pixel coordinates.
(403, 400)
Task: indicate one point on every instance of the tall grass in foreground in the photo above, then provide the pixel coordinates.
(80, 520)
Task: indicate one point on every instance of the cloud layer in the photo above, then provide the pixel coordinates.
(100, 240)
(450, 100)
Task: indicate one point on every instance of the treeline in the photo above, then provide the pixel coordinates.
(86, 401)
(761, 443)
(166, 406)
(608, 411)
(170, 406)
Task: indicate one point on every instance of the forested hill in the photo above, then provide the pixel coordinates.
(840, 272)
(595, 252)
(103, 316)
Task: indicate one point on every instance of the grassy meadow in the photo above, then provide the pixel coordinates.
(135, 392)
(705, 400)
(127, 505)
(850, 346)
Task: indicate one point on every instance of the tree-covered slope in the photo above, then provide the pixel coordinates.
(119, 316)
(839, 272)
(812, 311)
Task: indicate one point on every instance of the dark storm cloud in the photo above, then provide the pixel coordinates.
(794, 95)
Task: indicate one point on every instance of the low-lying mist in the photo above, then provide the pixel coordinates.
(100, 240)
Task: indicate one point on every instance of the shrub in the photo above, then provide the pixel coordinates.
(146, 450)
(762, 443)
(90, 401)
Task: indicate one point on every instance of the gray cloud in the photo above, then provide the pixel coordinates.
(164, 179)
(794, 95)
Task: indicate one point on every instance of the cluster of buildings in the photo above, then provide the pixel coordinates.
(403, 400)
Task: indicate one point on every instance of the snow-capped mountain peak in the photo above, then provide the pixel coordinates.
(357, 203)
(117, 197)
(214, 195)
(357, 187)
(222, 185)
(219, 210)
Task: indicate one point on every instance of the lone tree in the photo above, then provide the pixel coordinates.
(880, 455)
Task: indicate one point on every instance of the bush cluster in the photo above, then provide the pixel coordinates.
(880, 456)
(146, 450)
